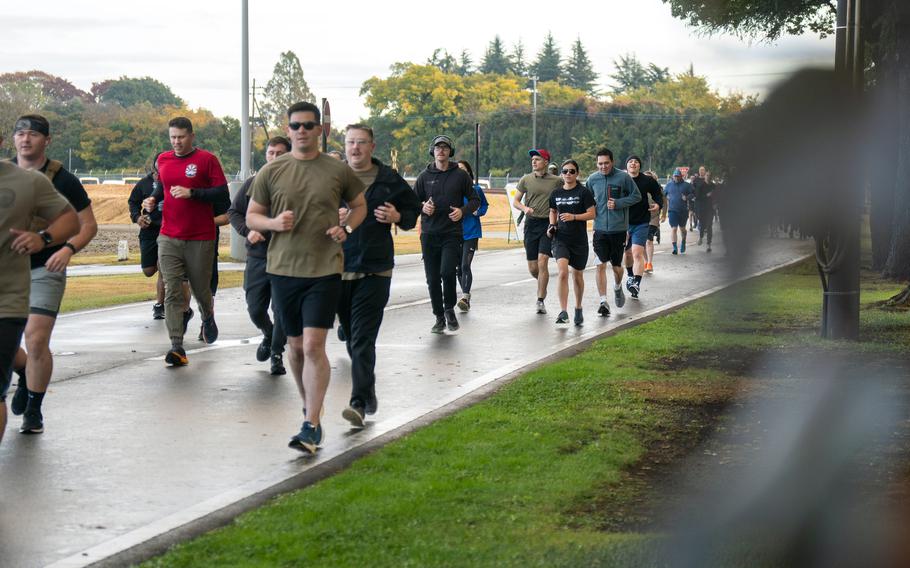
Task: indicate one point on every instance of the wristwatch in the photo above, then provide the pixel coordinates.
(46, 237)
(347, 228)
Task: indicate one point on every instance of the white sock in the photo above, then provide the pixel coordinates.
(617, 286)
(603, 299)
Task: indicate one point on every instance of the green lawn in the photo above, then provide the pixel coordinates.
(536, 474)
(89, 292)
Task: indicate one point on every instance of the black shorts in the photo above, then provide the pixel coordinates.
(305, 302)
(536, 240)
(10, 335)
(654, 231)
(577, 253)
(610, 247)
(148, 252)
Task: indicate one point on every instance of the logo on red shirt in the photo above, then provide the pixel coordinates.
(190, 171)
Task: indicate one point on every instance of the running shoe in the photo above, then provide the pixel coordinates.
(634, 289)
(308, 439)
(355, 414)
(464, 304)
(579, 318)
(209, 330)
(649, 268)
(342, 336)
(20, 398)
(439, 326)
(176, 357)
(32, 422)
(619, 297)
(675, 251)
(708, 249)
(277, 365)
(563, 317)
(264, 349)
(158, 311)
(603, 310)
(451, 320)
(541, 308)
(187, 316)
(700, 241)
(682, 248)
(371, 406)
(629, 281)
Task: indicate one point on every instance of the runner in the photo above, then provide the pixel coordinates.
(193, 186)
(369, 258)
(24, 196)
(704, 202)
(31, 137)
(442, 188)
(296, 197)
(614, 191)
(653, 227)
(472, 235)
(639, 224)
(678, 194)
(570, 210)
(256, 283)
(535, 188)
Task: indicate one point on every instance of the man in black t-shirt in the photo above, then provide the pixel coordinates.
(31, 136)
(570, 210)
(640, 223)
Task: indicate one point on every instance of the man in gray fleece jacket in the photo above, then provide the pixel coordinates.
(614, 192)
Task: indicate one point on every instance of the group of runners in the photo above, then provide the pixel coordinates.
(318, 232)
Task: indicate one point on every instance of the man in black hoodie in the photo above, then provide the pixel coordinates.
(369, 257)
(442, 189)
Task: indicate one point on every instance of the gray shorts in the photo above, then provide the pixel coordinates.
(47, 291)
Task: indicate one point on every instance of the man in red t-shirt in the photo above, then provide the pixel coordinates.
(193, 186)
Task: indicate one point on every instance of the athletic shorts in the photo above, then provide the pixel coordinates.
(148, 252)
(678, 218)
(536, 240)
(654, 231)
(47, 291)
(305, 302)
(10, 335)
(610, 247)
(577, 253)
(638, 235)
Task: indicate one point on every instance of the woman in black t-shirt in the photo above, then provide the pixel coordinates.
(570, 210)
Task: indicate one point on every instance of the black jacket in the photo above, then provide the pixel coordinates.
(237, 216)
(144, 188)
(448, 189)
(369, 249)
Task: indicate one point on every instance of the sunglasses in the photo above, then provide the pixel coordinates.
(308, 125)
(567, 171)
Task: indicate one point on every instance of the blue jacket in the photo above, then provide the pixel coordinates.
(470, 224)
(613, 220)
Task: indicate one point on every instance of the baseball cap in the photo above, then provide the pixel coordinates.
(677, 172)
(539, 152)
(443, 139)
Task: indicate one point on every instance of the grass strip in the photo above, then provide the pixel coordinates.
(523, 478)
(89, 292)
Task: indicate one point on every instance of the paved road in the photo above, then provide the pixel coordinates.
(133, 449)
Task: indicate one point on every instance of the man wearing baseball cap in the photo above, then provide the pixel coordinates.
(442, 189)
(535, 188)
(678, 194)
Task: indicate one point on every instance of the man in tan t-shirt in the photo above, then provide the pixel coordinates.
(24, 195)
(296, 197)
(536, 188)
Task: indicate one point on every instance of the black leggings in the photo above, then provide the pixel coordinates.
(463, 270)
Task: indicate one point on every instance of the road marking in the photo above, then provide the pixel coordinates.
(517, 282)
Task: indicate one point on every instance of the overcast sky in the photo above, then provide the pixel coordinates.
(194, 46)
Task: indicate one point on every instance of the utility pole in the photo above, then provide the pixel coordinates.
(245, 134)
(534, 114)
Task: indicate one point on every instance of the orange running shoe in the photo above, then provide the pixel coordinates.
(649, 268)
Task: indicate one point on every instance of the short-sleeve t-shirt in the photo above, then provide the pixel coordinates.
(577, 201)
(537, 190)
(24, 195)
(189, 219)
(71, 189)
(313, 190)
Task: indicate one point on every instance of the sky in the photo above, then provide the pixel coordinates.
(194, 47)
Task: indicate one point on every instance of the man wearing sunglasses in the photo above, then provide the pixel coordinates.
(296, 198)
(193, 188)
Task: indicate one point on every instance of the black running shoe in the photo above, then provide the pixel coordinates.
(563, 317)
(158, 311)
(32, 422)
(342, 336)
(355, 414)
(603, 310)
(634, 289)
(176, 357)
(187, 316)
(20, 398)
(265, 349)
(209, 330)
(371, 406)
(579, 318)
(439, 326)
(277, 365)
(451, 320)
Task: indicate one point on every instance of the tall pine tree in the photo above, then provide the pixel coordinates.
(579, 71)
(495, 60)
(518, 62)
(546, 67)
(286, 87)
